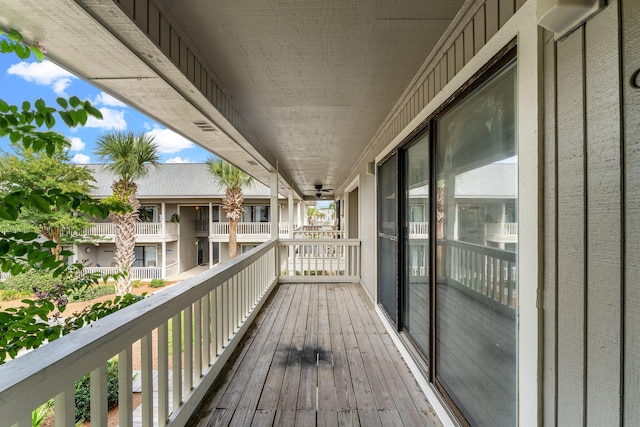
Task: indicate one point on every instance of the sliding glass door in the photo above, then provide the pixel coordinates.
(476, 290)
(415, 289)
(448, 244)
(388, 237)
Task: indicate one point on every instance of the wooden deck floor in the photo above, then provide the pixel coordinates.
(316, 355)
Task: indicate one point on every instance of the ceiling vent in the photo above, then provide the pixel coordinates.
(205, 126)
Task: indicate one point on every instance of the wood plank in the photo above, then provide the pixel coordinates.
(327, 418)
(631, 46)
(550, 238)
(506, 11)
(218, 396)
(345, 395)
(361, 386)
(604, 220)
(306, 417)
(571, 236)
(348, 418)
(492, 20)
(258, 375)
(479, 26)
(379, 387)
(327, 398)
(291, 382)
(273, 384)
(263, 418)
(307, 392)
(469, 42)
(414, 411)
(285, 418)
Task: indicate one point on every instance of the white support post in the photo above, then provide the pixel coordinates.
(275, 220)
(291, 213)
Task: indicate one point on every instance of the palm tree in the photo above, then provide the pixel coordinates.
(234, 181)
(127, 155)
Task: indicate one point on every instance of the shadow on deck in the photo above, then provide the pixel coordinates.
(317, 354)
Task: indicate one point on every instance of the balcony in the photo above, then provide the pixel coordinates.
(501, 232)
(246, 231)
(146, 232)
(142, 273)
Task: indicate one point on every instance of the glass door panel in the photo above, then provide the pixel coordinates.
(388, 237)
(476, 290)
(415, 290)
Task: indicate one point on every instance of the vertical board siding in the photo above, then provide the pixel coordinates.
(571, 224)
(631, 61)
(550, 236)
(603, 219)
(583, 219)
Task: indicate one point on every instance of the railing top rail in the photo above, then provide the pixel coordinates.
(324, 241)
(38, 375)
(493, 252)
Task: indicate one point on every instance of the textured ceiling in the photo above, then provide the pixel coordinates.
(313, 79)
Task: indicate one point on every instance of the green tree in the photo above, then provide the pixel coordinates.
(29, 170)
(30, 125)
(234, 181)
(128, 155)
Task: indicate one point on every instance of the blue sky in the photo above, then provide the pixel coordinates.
(29, 80)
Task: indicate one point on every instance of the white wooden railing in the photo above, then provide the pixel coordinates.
(173, 269)
(318, 234)
(305, 259)
(418, 230)
(253, 229)
(4, 276)
(108, 229)
(504, 229)
(207, 316)
(135, 273)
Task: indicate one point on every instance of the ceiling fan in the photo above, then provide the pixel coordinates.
(320, 190)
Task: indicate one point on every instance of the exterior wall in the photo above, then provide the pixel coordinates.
(585, 368)
(631, 213)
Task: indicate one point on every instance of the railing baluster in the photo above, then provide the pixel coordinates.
(146, 363)
(197, 340)
(187, 338)
(219, 320)
(176, 358)
(98, 393)
(163, 373)
(206, 328)
(65, 409)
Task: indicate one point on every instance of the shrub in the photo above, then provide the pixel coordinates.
(156, 283)
(32, 281)
(92, 292)
(137, 283)
(83, 393)
(11, 294)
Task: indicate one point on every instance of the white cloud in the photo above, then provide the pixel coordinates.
(81, 159)
(168, 141)
(178, 159)
(44, 73)
(76, 144)
(111, 119)
(108, 100)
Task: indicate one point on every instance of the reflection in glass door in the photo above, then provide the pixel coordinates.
(415, 290)
(476, 291)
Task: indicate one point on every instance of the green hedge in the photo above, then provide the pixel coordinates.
(83, 393)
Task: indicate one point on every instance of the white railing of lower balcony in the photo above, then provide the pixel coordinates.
(206, 317)
(135, 272)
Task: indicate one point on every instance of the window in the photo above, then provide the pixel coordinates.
(146, 256)
(148, 213)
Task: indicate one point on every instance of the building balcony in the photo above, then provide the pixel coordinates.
(146, 232)
(246, 231)
(501, 232)
(142, 273)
